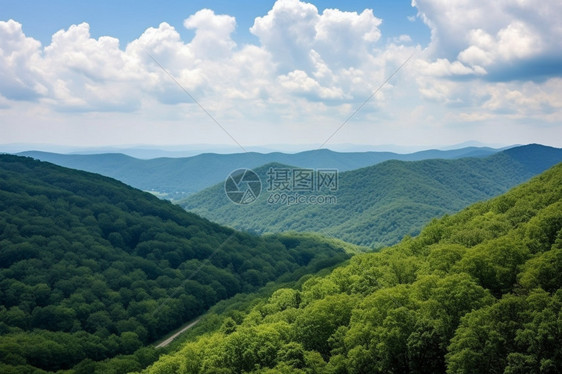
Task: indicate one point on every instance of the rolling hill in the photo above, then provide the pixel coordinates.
(175, 178)
(476, 292)
(380, 204)
(91, 268)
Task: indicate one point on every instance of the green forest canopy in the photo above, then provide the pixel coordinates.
(378, 205)
(475, 292)
(91, 268)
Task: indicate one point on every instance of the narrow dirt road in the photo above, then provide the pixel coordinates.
(171, 338)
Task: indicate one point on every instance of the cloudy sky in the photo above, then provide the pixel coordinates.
(286, 72)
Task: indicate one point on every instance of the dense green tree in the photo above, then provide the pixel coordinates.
(476, 292)
(91, 268)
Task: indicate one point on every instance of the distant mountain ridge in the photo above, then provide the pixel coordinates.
(176, 178)
(380, 204)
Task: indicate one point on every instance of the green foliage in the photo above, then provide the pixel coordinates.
(476, 292)
(379, 205)
(93, 270)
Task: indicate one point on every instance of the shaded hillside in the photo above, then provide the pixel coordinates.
(476, 292)
(175, 178)
(91, 268)
(379, 205)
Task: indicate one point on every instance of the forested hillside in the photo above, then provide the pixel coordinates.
(91, 268)
(175, 178)
(475, 292)
(379, 205)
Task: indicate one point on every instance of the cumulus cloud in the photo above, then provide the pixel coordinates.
(292, 29)
(212, 34)
(442, 67)
(333, 55)
(492, 60)
(19, 68)
(485, 59)
(300, 83)
(86, 74)
(79, 73)
(497, 37)
(288, 32)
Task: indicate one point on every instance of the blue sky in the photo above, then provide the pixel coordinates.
(127, 19)
(284, 72)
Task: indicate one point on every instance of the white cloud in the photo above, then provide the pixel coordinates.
(159, 52)
(19, 68)
(444, 68)
(288, 32)
(300, 83)
(402, 39)
(345, 39)
(212, 34)
(514, 42)
(529, 100)
(308, 69)
(293, 28)
(327, 56)
(493, 34)
(493, 61)
(88, 74)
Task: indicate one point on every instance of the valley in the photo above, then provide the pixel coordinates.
(281, 187)
(94, 272)
(476, 292)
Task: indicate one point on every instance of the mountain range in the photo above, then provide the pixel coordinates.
(92, 271)
(177, 178)
(380, 204)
